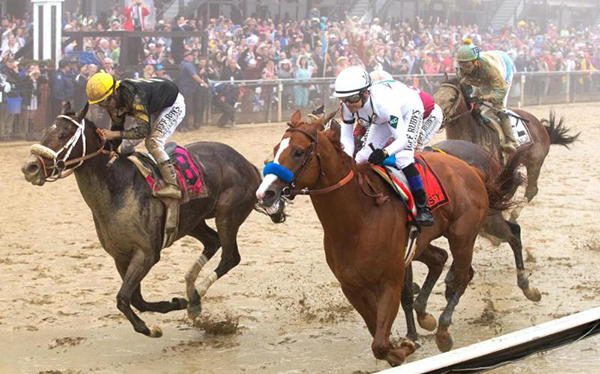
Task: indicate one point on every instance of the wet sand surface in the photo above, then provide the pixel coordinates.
(58, 287)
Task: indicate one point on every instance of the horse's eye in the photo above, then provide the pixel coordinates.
(63, 136)
(298, 153)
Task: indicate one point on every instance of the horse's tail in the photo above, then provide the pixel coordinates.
(501, 186)
(558, 132)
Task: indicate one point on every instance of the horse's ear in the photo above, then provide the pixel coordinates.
(81, 115)
(320, 110)
(445, 79)
(324, 120)
(66, 108)
(295, 119)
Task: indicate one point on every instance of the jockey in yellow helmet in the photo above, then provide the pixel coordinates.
(491, 73)
(157, 107)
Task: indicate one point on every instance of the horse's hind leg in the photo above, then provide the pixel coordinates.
(435, 258)
(133, 272)
(210, 239)
(533, 174)
(511, 233)
(137, 300)
(459, 276)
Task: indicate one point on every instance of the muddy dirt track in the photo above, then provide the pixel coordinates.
(58, 287)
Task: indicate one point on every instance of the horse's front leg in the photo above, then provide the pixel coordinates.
(388, 303)
(132, 273)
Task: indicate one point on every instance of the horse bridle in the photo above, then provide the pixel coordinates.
(59, 165)
(291, 190)
(460, 97)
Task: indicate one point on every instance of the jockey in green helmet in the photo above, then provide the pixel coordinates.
(491, 73)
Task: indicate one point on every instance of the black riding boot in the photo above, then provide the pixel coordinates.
(415, 182)
(424, 216)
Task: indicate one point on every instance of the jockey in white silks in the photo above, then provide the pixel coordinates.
(491, 73)
(391, 109)
(432, 120)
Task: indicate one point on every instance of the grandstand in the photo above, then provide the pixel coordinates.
(497, 13)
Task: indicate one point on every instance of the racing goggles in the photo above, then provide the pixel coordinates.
(353, 99)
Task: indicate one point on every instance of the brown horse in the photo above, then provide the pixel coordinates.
(462, 121)
(129, 220)
(365, 226)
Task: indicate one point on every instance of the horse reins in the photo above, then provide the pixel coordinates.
(61, 164)
(292, 191)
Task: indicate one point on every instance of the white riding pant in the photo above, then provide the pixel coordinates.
(163, 126)
(431, 125)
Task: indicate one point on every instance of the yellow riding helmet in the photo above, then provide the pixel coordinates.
(100, 86)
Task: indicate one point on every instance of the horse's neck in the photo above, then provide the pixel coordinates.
(338, 210)
(468, 128)
(99, 184)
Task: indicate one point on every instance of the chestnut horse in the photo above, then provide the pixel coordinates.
(365, 225)
(461, 121)
(130, 221)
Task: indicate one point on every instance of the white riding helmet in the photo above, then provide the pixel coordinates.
(351, 81)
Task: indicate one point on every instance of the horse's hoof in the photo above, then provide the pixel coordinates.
(443, 340)
(532, 294)
(428, 322)
(409, 346)
(180, 303)
(194, 311)
(155, 332)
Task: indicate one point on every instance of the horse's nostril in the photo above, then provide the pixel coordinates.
(269, 194)
(32, 169)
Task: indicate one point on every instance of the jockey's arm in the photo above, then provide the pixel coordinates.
(497, 86)
(347, 131)
(142, 119)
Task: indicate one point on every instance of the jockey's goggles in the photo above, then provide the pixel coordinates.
(353, 99)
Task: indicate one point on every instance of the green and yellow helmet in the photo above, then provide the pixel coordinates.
(100, 86)
(467, 52)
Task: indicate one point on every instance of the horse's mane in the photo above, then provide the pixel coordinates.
(363, 169)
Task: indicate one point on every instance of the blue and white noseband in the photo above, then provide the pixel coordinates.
(279, 171)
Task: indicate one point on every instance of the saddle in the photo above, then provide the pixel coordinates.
(190, 179)
(519, 128)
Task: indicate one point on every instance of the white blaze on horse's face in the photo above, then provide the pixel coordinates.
(270, 179)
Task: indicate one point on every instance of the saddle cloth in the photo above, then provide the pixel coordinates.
(189, 177)
(519, 128)
(436, 193)
(187, 167)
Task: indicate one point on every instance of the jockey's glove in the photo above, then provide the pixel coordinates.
(378, 156)
(477, 100)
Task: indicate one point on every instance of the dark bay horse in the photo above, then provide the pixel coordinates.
(129, 220)
(495, 225)
(462, 122)
(365, 227)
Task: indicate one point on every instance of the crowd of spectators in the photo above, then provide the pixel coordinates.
(260, 49)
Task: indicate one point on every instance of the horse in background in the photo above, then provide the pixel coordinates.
(463, 121)
(130, 221)
(366, 233)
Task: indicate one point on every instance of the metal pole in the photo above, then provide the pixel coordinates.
(279, 104)
(568, 90)
(522, 102)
